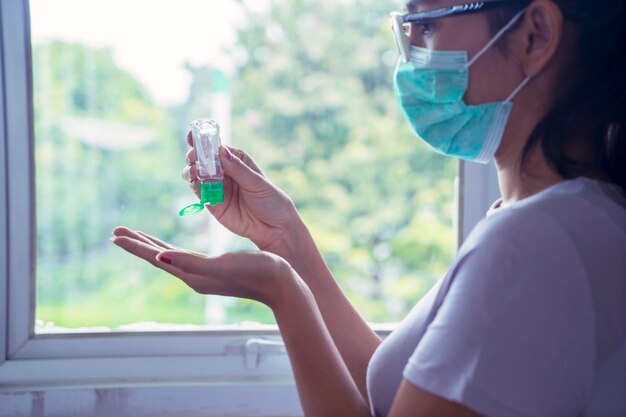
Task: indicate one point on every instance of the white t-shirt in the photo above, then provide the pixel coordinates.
(530, 320)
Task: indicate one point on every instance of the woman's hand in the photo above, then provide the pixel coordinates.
(259, 276)
(253, 207)
(256, 209)
(322, 378)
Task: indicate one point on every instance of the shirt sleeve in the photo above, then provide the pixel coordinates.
(513, 336)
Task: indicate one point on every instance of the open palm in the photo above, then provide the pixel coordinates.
(253, 275)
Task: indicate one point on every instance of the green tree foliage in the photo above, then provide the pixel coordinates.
(312, 101)
(90, 178)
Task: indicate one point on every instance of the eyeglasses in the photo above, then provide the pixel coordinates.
(401, 23)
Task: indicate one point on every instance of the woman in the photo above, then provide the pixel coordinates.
(530, 319)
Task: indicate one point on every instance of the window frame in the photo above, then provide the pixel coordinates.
(30, 360)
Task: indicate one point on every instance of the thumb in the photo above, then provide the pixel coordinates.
(241, 173)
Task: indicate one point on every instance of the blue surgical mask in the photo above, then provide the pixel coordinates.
(430, 89)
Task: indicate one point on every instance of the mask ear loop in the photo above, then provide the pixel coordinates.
(495, 38)
(518, 89)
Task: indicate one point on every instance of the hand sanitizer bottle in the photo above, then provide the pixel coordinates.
(206, 143)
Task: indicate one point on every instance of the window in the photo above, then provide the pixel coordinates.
(110, 113)
(304, 86)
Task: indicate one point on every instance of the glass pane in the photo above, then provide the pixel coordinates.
(305, 86)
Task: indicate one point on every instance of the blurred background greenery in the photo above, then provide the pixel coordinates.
(310, 98)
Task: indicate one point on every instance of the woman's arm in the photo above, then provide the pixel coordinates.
(323, 381)
(324, 384)
(412, 401)
(258, 210)
(353, 337)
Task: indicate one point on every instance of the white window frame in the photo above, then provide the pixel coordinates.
(240, 359)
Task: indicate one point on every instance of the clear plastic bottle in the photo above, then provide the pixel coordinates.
(206, 143)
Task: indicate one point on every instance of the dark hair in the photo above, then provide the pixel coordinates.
(595, 102)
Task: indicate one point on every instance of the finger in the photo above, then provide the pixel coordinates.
(125, 231)
(246, 159)
(195, 187)
(193, 263)
(157, 242)
(189, 138)
(193, 268)
(121, 231)
(196, 263)
(150, 252)
(241, 173)
(189, 173)
(190, 156)
(139, 248)
(137, 235)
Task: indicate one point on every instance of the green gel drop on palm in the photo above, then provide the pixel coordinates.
(206, 143)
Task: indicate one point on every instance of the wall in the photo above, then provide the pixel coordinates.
(154, 401)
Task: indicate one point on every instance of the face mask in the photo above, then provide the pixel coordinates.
(430, 89)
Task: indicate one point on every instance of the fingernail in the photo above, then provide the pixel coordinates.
(165, 259)
(227, 153)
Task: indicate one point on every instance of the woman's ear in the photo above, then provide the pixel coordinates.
(541, 33)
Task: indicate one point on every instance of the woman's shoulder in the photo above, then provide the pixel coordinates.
(574, 222)
(574, 206)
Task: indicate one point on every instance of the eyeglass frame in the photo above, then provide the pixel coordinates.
(398, 19)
